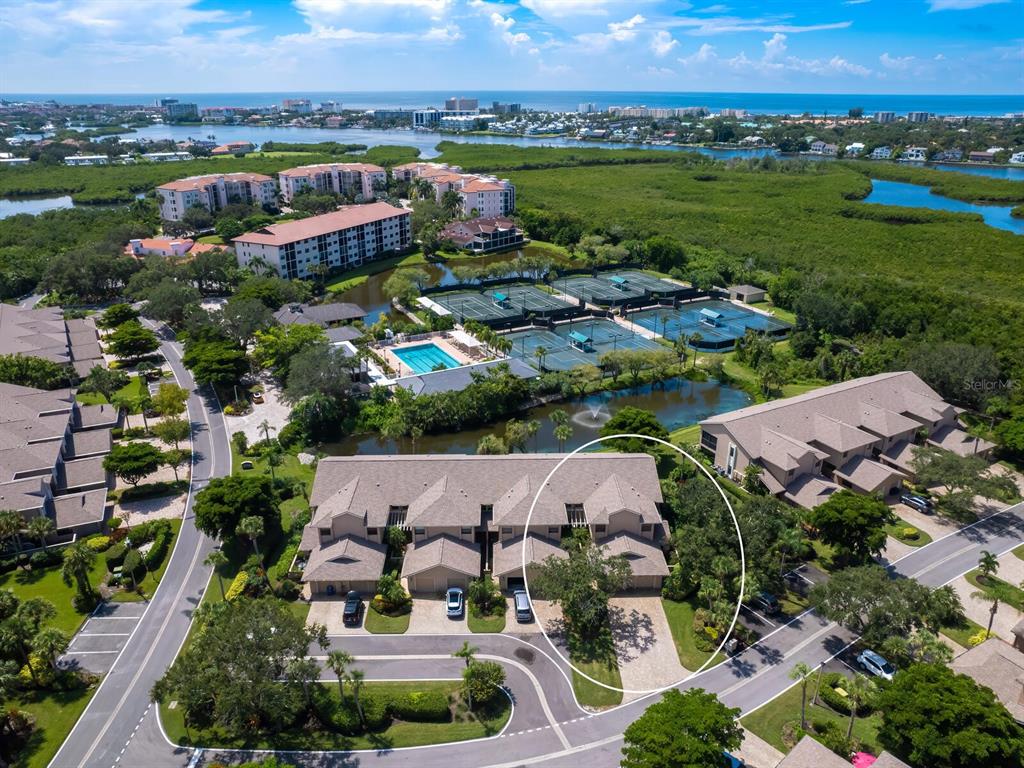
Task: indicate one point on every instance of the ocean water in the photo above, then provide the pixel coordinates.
(763, 103)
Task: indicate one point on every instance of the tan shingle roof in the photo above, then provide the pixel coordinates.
(645, 558)
(508, 554)
(867, 475)
(809, 491)
(959, 442)
(809, 753)
(78, 509)
(445, 551)
(999, 666)
(350, 558)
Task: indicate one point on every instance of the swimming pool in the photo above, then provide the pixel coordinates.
(424, 358)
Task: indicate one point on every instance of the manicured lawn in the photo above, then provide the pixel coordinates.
(598, 661)
(793, 603)
(961, 635)
(823, 554)
(770, 720)
(135, 389)
(379, 624)
(353, 277)
(1019, 551)
(680, 620)
(147, 587)
(1012, 594)
(492, 623)
(56, 713)
(896, 531)
(47, 584)
(212, 240)
(399, 734)
(686, 435)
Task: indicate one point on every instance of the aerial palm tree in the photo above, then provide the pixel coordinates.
(10, 528)
(215, 560)
(563, 433)
(267, 429)
(356, 677)
(540, 353)
(801, 672)
(790, 541)
(988, 566)
(252, 528)
(994, 593)
(40, 528)
(50, 643)
(467, 653)
(859, 689)
(695, 339)
(338, 661)
(78, 559)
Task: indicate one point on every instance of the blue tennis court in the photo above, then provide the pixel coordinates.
(424, 358)
(719, 323)
(570, 345)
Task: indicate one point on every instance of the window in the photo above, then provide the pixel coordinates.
(709, 441)
(646, 528)
(467, 530)
(371, 531)
(506, 531)
(325, 531)
(420, 531)
(553, 530)
(600, 528)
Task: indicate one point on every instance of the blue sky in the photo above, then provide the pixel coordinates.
(852, 46)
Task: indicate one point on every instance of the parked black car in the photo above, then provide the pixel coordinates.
(352, 614)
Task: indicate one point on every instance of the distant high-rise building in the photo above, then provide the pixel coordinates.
(330, 106)
(885, 117)
(506, 109)
(733, 112)
(300, 106)
(587, 108)
(177, 110)
(918, 117)
(458, 103)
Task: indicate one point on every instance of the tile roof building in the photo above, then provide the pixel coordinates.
(45, 333)
(177, 247)
(334, 178)
(999, 666)
(342, 239)
(860, 434)
(483, 234)
(486, 196)
(214, 192)
(51, 456)
(323, 315)
(463, 512)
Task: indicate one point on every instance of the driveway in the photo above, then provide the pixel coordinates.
(643, 643)
(96, 645)
(540, 608)
(429, 617)
(272, 410)
(328, 612)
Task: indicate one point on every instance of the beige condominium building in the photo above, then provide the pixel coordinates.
(342, 239)
(45, 333)
(214, 192)
(467, 514)
(860, 434)
(486, 196)
(334, 178)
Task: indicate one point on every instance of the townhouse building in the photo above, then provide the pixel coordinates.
(467, 514)
(342, 239)
(334, 178)
(860, 434)
(914, 154)
(823, 148)
(215, 192)
(45, 333)
(881, 153)
(482, 196)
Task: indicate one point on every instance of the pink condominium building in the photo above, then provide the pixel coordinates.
(214, 192)
(337, 178)
(342, 239)
(485, 196)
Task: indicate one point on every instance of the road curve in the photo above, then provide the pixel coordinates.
(105, 730)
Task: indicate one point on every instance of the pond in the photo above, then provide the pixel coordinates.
(33, 205)
(370, 294)
(676, 402)
(916, 196)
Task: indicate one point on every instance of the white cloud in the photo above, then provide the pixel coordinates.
(896, 62)
(855, 2)
(960, 5)
(774, 47)
(624, 30)
(723, 25)
(713, 9)
(839, 64)
(663, 43)
(505, 24)
(702, 55)
(618, 32)
(559, 9)
(337, 9)
(661, 71)
(157, 19)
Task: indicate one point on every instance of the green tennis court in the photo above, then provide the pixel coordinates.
(571, 345)
(612, 288)
(500, 303)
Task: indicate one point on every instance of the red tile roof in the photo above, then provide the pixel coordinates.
(303, 229)
(198, 182)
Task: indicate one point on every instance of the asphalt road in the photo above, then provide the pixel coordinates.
(105, 729)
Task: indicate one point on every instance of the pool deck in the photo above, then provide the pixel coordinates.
(402, 369)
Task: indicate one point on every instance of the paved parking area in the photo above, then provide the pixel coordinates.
(429, 617)
(540, 608)
(327, 611)
(643, 644)
(95, 646)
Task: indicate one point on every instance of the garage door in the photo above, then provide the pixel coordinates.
(427, 583)
(458, 581)
(516, 582)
